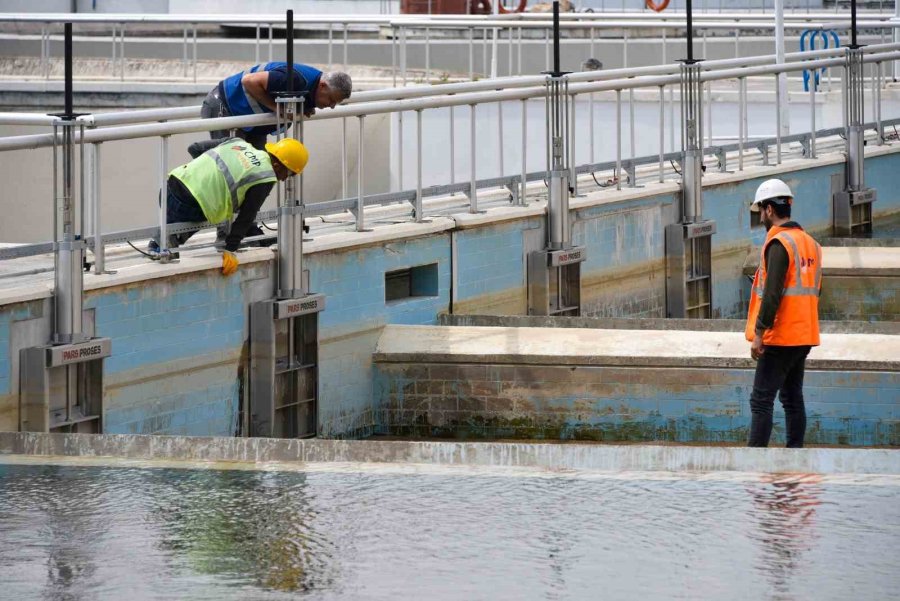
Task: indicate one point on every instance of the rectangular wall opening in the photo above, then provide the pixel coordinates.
(412, 282)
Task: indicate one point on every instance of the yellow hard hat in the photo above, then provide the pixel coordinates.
(290, 152)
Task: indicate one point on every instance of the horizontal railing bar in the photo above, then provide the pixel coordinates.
(517, 18)
(332, 206)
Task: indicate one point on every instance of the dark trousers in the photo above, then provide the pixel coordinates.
(779, 371)
(180, 210)
(214, 106)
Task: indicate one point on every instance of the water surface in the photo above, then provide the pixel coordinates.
(73, 532)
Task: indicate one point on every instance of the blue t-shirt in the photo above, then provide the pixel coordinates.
(306, 80)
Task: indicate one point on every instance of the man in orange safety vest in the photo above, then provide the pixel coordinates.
(783, 320)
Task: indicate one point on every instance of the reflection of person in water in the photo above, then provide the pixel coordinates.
(785, 508)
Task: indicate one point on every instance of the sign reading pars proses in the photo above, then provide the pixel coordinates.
(313, 303)
(66, 354)
(566, 256)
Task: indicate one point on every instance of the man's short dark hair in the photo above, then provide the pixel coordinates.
(782, 209)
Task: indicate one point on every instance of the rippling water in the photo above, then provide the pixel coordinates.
(69, 532)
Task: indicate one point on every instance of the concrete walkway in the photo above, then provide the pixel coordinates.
(597, 347)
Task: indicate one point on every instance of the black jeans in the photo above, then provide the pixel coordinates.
(214, 106)
(779, 371)
(179, 210)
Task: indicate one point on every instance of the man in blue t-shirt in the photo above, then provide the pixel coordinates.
(255, 90)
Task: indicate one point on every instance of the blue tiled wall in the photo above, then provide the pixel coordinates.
(353, 282)
(161, 330)
(177, 342)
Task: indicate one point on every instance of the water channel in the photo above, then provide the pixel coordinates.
(412, 532)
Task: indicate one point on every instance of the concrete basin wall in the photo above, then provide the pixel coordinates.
(622, 385)
(179, 331)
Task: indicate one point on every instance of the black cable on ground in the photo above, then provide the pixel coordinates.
(263, 223)
(146, 254)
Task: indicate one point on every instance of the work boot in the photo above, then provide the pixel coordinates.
(198, 148)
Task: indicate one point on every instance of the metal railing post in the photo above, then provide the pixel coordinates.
(473, 161)
(662, 131)
(164, 254)
(96, 210)
(777, 122)
(418, 205)
(472, 53)
(618, 139)
(331, 45)
(522, 197)
(742, 120)
(452, 147)
(344, 157)
(346, 46)
(812, 118)
(400, 150)
(500, 136)
(195, 52)
(360, 178)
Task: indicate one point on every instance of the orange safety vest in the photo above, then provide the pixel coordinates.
(797, 319)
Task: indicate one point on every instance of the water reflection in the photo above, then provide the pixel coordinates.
(242, 525)
(113, 533)
(784, 506)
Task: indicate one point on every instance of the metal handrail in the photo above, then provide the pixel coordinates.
(190, 112)
(473, 94)
(331, 207)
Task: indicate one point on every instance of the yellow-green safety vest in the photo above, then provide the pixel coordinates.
(220, 177)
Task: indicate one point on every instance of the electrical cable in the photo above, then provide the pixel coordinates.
(146, 254)
(671, 162)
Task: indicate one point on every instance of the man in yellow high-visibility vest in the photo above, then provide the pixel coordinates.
(234, 177)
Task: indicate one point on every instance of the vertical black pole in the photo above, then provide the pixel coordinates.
(290, 51)
(556, 69)
(853, 24)
(690, 32)
(68, 71)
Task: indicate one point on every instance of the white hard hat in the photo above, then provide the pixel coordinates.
(772, 189)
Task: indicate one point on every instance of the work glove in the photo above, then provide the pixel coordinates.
(229, 262)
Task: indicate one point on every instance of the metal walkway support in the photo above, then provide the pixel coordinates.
(853, 205)
(554, 273)
(689, 242)
(62, 381)
(284, 339)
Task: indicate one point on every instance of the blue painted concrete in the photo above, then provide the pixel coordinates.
(164, 322)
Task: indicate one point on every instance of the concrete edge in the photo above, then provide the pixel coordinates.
(604, 458)
(700, 362)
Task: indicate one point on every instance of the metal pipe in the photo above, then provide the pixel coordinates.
(346, 49)
(360, 178)
(163, 197)
(522, 195)
(812, 118)
(618, 139)
(97, 228)
(418, 205)
(473, 160)
(344, 157)
(452, 147)
(777, 122)
(400, 150)
(662, 131)
(500, 136)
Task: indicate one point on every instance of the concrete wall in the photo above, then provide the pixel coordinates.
(623, 403)
(179, 332)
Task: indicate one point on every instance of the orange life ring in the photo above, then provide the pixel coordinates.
(519, 9)
(480, 7)
(656, 7)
